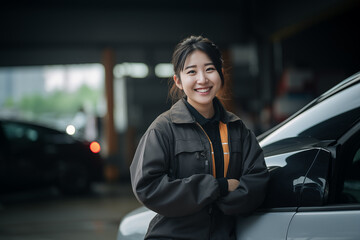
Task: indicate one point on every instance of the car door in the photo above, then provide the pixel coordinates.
(339, 218)
(22, 155)
(292, 183)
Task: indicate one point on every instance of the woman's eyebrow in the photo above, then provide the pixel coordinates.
(192, 66)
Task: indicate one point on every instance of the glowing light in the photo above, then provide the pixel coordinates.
(95, 147)
(70, 129)
(134, 70)
(164, 70)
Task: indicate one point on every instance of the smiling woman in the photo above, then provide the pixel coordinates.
(187, 47)
(184, 168)
(200, 82)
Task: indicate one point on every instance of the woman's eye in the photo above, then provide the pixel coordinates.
(210, 69)
(191, 72)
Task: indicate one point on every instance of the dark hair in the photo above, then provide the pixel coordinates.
(183, 50)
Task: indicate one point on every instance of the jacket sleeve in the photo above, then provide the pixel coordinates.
(156, 190)
(253, 181)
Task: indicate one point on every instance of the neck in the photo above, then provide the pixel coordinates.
(206, 111)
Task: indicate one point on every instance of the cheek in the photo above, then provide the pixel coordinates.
(186, 82)
(186, 88)
(217, 80)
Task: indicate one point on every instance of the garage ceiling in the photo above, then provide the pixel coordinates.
(71, 31)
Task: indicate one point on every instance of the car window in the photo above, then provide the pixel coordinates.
(327, 120)
(349, 186)
(21, 137)
(352, 180)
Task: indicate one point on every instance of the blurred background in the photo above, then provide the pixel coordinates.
(98, 72)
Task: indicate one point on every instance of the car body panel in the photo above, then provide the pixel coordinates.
(330, 225)
(264, 225)
(135, 224)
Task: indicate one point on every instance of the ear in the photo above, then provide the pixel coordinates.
(177, 82)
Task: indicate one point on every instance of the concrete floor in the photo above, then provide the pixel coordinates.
(48, 215)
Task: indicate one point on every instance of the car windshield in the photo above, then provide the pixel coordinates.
(327, 120)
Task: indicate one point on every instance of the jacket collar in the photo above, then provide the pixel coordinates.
(200, 118)
(180, 114)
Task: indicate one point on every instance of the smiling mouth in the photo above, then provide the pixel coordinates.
(203, 90)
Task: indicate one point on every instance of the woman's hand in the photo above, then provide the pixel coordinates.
(232, 184)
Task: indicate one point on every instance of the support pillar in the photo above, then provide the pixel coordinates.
(111, 170)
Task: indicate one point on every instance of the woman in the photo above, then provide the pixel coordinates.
(198, 166)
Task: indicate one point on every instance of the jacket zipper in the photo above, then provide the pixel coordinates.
(208, 164)
(226, 148)
(207, 167)
(210, 211)
(207, 170)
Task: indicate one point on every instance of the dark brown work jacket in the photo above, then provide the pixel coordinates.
(172, 174)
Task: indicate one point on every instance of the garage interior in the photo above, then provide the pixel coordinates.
(279, 54)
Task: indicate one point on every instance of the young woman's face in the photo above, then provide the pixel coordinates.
(199, 79)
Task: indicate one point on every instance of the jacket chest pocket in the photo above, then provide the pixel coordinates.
(190, 158)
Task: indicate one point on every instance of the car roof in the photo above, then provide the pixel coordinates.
(32, 124)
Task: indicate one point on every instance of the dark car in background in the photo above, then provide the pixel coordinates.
(34, 156)
(314, 163)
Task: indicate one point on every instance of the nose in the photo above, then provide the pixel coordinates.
(202, 77)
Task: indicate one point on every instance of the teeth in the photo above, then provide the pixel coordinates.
(203, 90)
